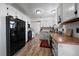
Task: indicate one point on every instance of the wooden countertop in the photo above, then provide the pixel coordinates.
(64, 39)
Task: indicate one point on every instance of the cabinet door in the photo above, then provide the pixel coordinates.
(59, 14)
(78, 9)
(68, 11)
(68, 50)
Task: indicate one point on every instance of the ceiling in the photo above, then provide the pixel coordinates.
(30, 9)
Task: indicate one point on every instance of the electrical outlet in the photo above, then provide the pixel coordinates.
(77, 30)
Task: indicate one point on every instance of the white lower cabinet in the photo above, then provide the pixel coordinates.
(68, 50)
(62, 49)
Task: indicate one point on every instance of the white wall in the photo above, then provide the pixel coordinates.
(44, 22)
(2, 30)
(3, 12)
(47, 21)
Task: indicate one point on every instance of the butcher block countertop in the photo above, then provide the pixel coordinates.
(64, 39)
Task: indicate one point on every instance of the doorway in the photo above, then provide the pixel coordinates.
(36, 25)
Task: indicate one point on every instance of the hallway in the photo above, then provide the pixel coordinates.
(32, 48)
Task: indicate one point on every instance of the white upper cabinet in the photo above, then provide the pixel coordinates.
(59, 14)
(68, 11)
(78, 9)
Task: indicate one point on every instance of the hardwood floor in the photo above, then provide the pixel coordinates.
(32, 48)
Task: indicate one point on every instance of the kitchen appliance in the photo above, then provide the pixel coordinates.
(29, 33)
(15, 35)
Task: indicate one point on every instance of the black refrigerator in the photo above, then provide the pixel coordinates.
(15, 35)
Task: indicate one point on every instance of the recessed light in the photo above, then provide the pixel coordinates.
(53, 11)
(38, 11)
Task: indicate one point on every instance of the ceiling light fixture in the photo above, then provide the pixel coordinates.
(38, 11)
(53, 11)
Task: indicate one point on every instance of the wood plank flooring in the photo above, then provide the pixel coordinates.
(32, 48)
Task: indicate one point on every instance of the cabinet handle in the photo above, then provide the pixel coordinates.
(75, 12)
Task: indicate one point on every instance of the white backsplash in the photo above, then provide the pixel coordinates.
(72, 26)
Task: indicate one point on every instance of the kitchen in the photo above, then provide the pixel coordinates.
(54, 28)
